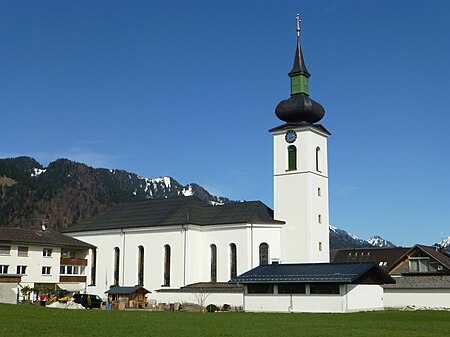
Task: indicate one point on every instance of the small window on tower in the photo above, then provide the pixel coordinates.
(319, 192)
(320, 246)
(317, 159)
(320, 218)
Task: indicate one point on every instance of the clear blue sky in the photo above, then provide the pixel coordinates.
(188, 89)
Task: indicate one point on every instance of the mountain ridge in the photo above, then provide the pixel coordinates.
(66, 192)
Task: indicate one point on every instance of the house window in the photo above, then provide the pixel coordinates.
(140, 265)
(22, 251)
(319, 218)
(94, 266)
(166, 266)
(291, 288)
(71, 270)
(324, 288)
(233, 260)
(47, 252)
(317, 159)
(21, 270)
(262, 288)
(320, 246)
(419, 262)
(3, 269)
(46, 270)
(116, 265)
(213, 266)
(5, 250)
(319, 192)
(263, 254)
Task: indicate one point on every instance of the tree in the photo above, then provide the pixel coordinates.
(26, 292)
(201, 298)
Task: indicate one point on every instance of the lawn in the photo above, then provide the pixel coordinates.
(27, 321)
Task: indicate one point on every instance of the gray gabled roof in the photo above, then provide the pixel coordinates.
(316, 273)
(176, 211)
(40, 237)
(126, 290)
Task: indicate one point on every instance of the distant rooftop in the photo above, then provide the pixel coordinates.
(40, 237)
(383, 257)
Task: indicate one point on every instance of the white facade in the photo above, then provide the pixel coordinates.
(33, 260)
(352, 297)
(42, 266)
(301, 194)
(190, 254)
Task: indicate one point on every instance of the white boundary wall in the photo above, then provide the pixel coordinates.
(430, 298)
(352, 298)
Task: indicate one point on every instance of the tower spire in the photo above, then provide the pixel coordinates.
(299, 74)
(299, 108)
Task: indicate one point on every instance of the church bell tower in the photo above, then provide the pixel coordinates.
(301, 171)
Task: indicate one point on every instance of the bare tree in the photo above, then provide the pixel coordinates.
(201, 298)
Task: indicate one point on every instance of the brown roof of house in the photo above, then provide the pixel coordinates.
(40, 237)
(434, 253)
(383, 257)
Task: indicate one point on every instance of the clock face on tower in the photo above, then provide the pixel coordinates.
(291, 136)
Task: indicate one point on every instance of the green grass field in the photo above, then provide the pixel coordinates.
(34, 321)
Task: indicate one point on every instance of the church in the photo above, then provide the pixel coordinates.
(178, 247)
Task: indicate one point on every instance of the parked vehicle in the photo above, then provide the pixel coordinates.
(88, 300)
(60, 295)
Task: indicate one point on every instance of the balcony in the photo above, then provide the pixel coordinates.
(73, 262)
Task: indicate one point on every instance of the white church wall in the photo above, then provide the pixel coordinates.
(190, 253)
(271, 236)
(430, 298)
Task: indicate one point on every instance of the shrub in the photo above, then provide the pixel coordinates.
(211, 308)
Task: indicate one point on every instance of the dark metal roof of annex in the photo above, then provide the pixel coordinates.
(176, 211)
(316, 273)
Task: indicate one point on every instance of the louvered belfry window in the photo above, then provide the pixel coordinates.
(292, 158)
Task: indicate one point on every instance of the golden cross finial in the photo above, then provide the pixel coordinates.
(297, 18)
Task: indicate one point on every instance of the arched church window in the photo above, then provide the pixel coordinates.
(166, 266)
(292, 158)
(233, 260)
(116, 265)
(263, 254)
(140, 275)
(93, 266)
(318, 159)
(213, 263)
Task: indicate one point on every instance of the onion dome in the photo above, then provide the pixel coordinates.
(299, 108)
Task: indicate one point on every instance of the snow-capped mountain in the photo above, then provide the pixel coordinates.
(340, 239)
(378, 241)
(444, 244)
